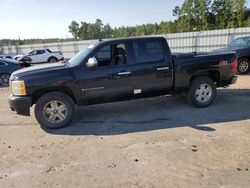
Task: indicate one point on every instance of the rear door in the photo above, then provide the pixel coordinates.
(151, 72)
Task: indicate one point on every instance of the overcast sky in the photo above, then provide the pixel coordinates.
(50, 18)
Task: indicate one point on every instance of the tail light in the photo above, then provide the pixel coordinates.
(234, 66)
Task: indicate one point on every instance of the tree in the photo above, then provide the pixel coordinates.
(193, 15)
(74, 29)
(98, 29)
(83, 31)
(107, 31)
(239, 10)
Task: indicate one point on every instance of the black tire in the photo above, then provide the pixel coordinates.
(243, 66)
(4, 79)
(45, 101)
(206, 96)
(52, 60)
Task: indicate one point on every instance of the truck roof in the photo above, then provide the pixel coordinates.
(130, 38)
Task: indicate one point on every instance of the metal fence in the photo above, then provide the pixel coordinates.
(202, 41)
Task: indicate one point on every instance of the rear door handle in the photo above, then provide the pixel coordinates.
(124, 73)
(162, 68)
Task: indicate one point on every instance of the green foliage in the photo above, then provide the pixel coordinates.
(193, 15)
(74, 29)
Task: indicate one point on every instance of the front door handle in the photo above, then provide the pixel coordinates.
(162, 68)
(124, 73)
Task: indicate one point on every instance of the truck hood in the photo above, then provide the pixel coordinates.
(39, 69)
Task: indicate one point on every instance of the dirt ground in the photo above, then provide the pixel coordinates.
(156, 142)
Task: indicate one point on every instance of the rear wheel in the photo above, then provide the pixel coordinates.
(243, 66)
(52, 60)
(4, 79)
(54, 110)
(202, 92)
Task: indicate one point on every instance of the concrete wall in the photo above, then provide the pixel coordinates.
(202, 41)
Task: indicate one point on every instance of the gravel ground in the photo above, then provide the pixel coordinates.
(156, 142)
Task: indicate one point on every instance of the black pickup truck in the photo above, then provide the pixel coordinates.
(115, 70)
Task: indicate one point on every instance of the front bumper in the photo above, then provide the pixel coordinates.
(21, 105)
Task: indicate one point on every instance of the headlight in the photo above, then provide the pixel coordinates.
(18, 88)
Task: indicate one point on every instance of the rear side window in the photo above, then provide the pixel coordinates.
(148, 51)
(40, 52)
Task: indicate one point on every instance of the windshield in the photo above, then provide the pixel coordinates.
(241, 42)
(78, 58)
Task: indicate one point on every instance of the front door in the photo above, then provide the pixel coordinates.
(110, 79)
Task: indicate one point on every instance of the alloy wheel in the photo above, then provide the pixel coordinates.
(243, 66)
(4, 79)
(203, 93)
(55, 112)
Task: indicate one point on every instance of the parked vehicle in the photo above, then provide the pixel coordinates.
(114, 70)
(25, 62)
(242, 48)
(7, 67)
(42, 56)
(8, 55)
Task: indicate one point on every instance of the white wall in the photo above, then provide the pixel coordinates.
(202, 41)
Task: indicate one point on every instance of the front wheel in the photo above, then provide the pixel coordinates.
(202, 92)
(243, 66)
(54, 110)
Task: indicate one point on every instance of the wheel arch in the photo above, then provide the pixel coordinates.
(244, 57)
(213, 74)
(52, 57)
(63, 89)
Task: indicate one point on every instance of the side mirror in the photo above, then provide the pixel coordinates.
(92, 62)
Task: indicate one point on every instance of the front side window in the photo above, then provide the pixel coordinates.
(33, 52)
(148, 51)
(111, 55)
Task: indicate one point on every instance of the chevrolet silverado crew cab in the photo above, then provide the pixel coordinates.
(115, 70)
